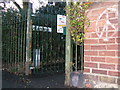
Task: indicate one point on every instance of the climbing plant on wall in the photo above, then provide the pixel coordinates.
(78, 22)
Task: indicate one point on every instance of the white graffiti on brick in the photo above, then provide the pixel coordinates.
(100, 33)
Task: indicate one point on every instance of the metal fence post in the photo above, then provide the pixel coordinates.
(68, 57)
(0, 50)
(28, 40)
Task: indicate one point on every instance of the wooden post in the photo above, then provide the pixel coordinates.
(0, 40)
(0, 50)
(28, 40)
(26, 5)
(68, 57)
(76, 58)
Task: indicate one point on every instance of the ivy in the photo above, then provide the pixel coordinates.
(78, 23)
(78, 20)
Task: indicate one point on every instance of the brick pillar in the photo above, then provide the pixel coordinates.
(101, 47)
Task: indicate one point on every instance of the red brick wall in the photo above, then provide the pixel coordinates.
(101, 57)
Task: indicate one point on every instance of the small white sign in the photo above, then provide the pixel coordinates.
(36, 57)
(61, 22)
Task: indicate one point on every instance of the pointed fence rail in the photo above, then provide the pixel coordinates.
(14, 40)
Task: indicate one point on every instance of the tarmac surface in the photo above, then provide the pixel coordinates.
(10, 80)
(0, 79)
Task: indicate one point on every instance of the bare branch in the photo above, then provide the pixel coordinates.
(16, 4)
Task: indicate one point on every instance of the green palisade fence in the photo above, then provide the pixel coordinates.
(13, 41)
(48, 46)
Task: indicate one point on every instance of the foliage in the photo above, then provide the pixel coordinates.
(48, 14)
(78, 20)
(50, 8)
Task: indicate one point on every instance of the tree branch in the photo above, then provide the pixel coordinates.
(16, 4)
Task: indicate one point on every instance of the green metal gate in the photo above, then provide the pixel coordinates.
(48, 46)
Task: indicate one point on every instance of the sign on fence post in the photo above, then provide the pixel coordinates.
(61, 23)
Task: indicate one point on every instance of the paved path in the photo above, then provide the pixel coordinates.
(14, 81)
(0, 79)
(11, 81)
